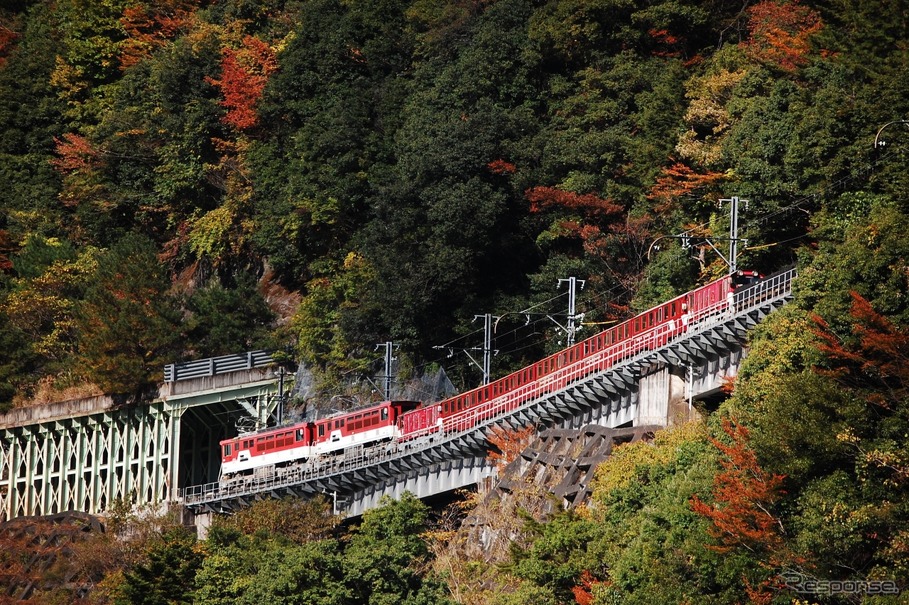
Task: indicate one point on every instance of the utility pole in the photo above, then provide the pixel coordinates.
(386, 379)
(279, 415)
(733, 230)
(572, 298)
(488, 327)
(487, 345)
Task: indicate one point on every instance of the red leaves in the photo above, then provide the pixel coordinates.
(509, 444)
(547, 197)
(74, 153)
(780, 32)
(880, 352)
(244, 73)
(680, 180)
(8, 38)
(743, 497)
(501, 167)
(667, 42)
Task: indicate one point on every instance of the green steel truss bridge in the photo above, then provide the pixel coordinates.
(85, 455)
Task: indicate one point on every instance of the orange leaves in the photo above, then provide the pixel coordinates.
(680, 180)
(548, 197)
(880, 354)
(509, 444)
(74, 153)
(780, 32)
(244, 73)
(501, 167)
(583, 593)
(743, 497)
(149, 27)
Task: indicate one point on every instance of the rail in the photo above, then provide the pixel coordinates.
(773, 288)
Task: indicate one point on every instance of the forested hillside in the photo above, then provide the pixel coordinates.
(186, 178)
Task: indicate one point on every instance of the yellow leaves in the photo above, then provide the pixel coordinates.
(47, 318)
(707, 117)
(69, 80)
(627, 462)
(44, 309)
(847, 436)
(210, 234)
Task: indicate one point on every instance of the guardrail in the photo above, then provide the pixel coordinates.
(775, 287)
(217, 365)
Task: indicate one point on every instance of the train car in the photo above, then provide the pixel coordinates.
(709, 300)
(651, 329)
(297, 443)
(404, 421)
(276, 447)
(359, 427)
(419, 422)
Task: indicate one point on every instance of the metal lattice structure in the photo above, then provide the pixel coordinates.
(86, 462)
(88, 454)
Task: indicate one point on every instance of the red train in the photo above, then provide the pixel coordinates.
(401, 422)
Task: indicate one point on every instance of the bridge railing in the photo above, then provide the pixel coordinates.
(773, 288)
(217, 365)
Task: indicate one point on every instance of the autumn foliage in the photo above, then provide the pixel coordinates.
(879, 351)
(780, 32)
(244, 73)
(74, 153)
(150, 27)
(679, 181)
(743, 497)
(541, 198)
(501, 167)
(8, 39)
(508, 444)
(583, 592)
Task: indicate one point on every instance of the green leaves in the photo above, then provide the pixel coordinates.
(127, 323)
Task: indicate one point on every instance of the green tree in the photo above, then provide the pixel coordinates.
(168, 576)
(302, 575)
(225, 320)
(127, 323)
(385, 557)
(30, 116)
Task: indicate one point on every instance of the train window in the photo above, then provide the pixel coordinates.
(321, 430)
(384, 413)
(342, 423)
(226, 450)
(299, 434)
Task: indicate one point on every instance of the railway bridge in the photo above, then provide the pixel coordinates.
(654, 386)
(84, 456)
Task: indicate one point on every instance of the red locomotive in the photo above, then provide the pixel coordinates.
(400, 422)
